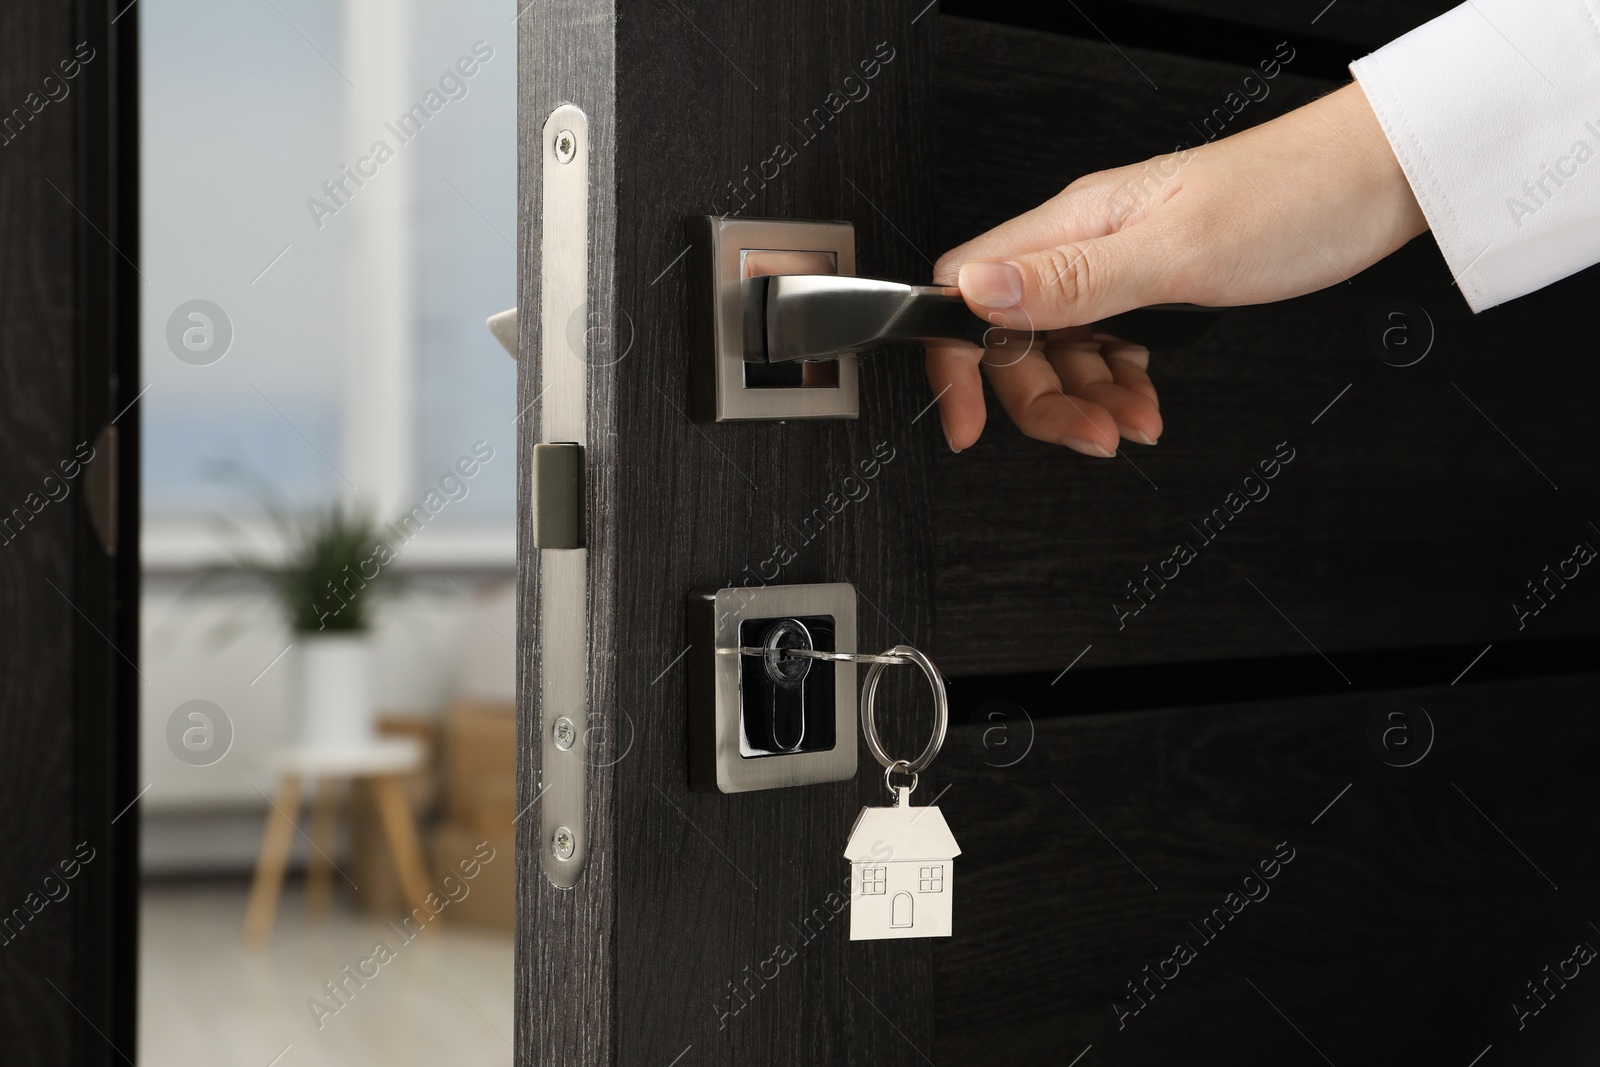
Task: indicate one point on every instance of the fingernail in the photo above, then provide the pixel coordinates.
(1088, 448)
(946, 430)
(995, 285)
(1141, 437)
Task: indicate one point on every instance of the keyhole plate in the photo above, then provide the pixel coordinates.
(748, 731)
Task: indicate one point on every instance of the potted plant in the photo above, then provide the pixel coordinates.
(332, 566)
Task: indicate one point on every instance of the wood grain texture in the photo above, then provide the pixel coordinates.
(68, 710)
(1205, 29)
(35, 433)
(1417, 903)
(1417, 506)
(686, 894)
(1368, 22)
(1327, 36)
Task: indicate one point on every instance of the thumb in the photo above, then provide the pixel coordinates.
(1073, 284)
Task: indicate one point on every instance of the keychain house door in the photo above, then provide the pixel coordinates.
(1334, 690)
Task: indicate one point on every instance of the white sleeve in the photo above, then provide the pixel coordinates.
(1493, 110)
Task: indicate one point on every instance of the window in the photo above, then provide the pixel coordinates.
(873, 880)
(340, 257)
(931, 879)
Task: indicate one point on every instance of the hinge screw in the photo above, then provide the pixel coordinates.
(565, 733)
(561, 843)
(566, 146)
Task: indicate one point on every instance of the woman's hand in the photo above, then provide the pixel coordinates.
(1286, 208)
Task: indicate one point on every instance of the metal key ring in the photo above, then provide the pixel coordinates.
(941, 709)
(844, 657)
(904, 767)
(815, 653)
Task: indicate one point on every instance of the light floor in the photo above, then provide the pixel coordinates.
(206, 999)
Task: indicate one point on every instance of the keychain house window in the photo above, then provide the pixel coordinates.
(873, 880)
(931, 880)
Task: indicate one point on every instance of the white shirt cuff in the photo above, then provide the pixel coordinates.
(1493, 110)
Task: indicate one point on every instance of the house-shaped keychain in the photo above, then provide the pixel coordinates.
(902, 872)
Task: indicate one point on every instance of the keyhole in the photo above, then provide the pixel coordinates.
(783, 670)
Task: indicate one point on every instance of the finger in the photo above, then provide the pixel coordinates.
(1030, 391)
(1132, 351)
(1129, 362)
(1085, 374)
(958, 391)
(1078, 365)
(1070, 284)
(1071, 333)
(1128, 371)
(1003, 347)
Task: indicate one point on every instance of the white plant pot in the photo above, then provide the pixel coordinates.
(330, 691)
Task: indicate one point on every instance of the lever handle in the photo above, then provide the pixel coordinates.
(822, 316)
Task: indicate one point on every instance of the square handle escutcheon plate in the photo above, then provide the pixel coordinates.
(724, 387)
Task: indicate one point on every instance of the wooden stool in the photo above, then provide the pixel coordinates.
(381, 763)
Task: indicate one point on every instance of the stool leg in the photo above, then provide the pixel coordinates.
(272, 862)
(401, 830)
(319, 864)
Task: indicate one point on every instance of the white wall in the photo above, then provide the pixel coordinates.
(216, 644)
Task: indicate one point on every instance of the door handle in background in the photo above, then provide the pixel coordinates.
(822, 316)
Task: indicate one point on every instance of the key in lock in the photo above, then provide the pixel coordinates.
(786, 704)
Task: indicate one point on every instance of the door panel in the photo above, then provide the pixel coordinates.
(1400, 933)
(1418, 505)
(1367, 22)
(1416, 526)
(1341, 29)
(1405, 521)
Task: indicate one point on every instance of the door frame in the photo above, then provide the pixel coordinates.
(69, 248)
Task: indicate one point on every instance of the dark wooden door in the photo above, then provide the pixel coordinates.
(1121, 784)
(686, 894)
(68, 533)
(1259, 702)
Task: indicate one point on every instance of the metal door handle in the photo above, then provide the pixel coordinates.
(822, 316)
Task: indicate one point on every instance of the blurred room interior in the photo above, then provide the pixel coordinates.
(328, 217)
